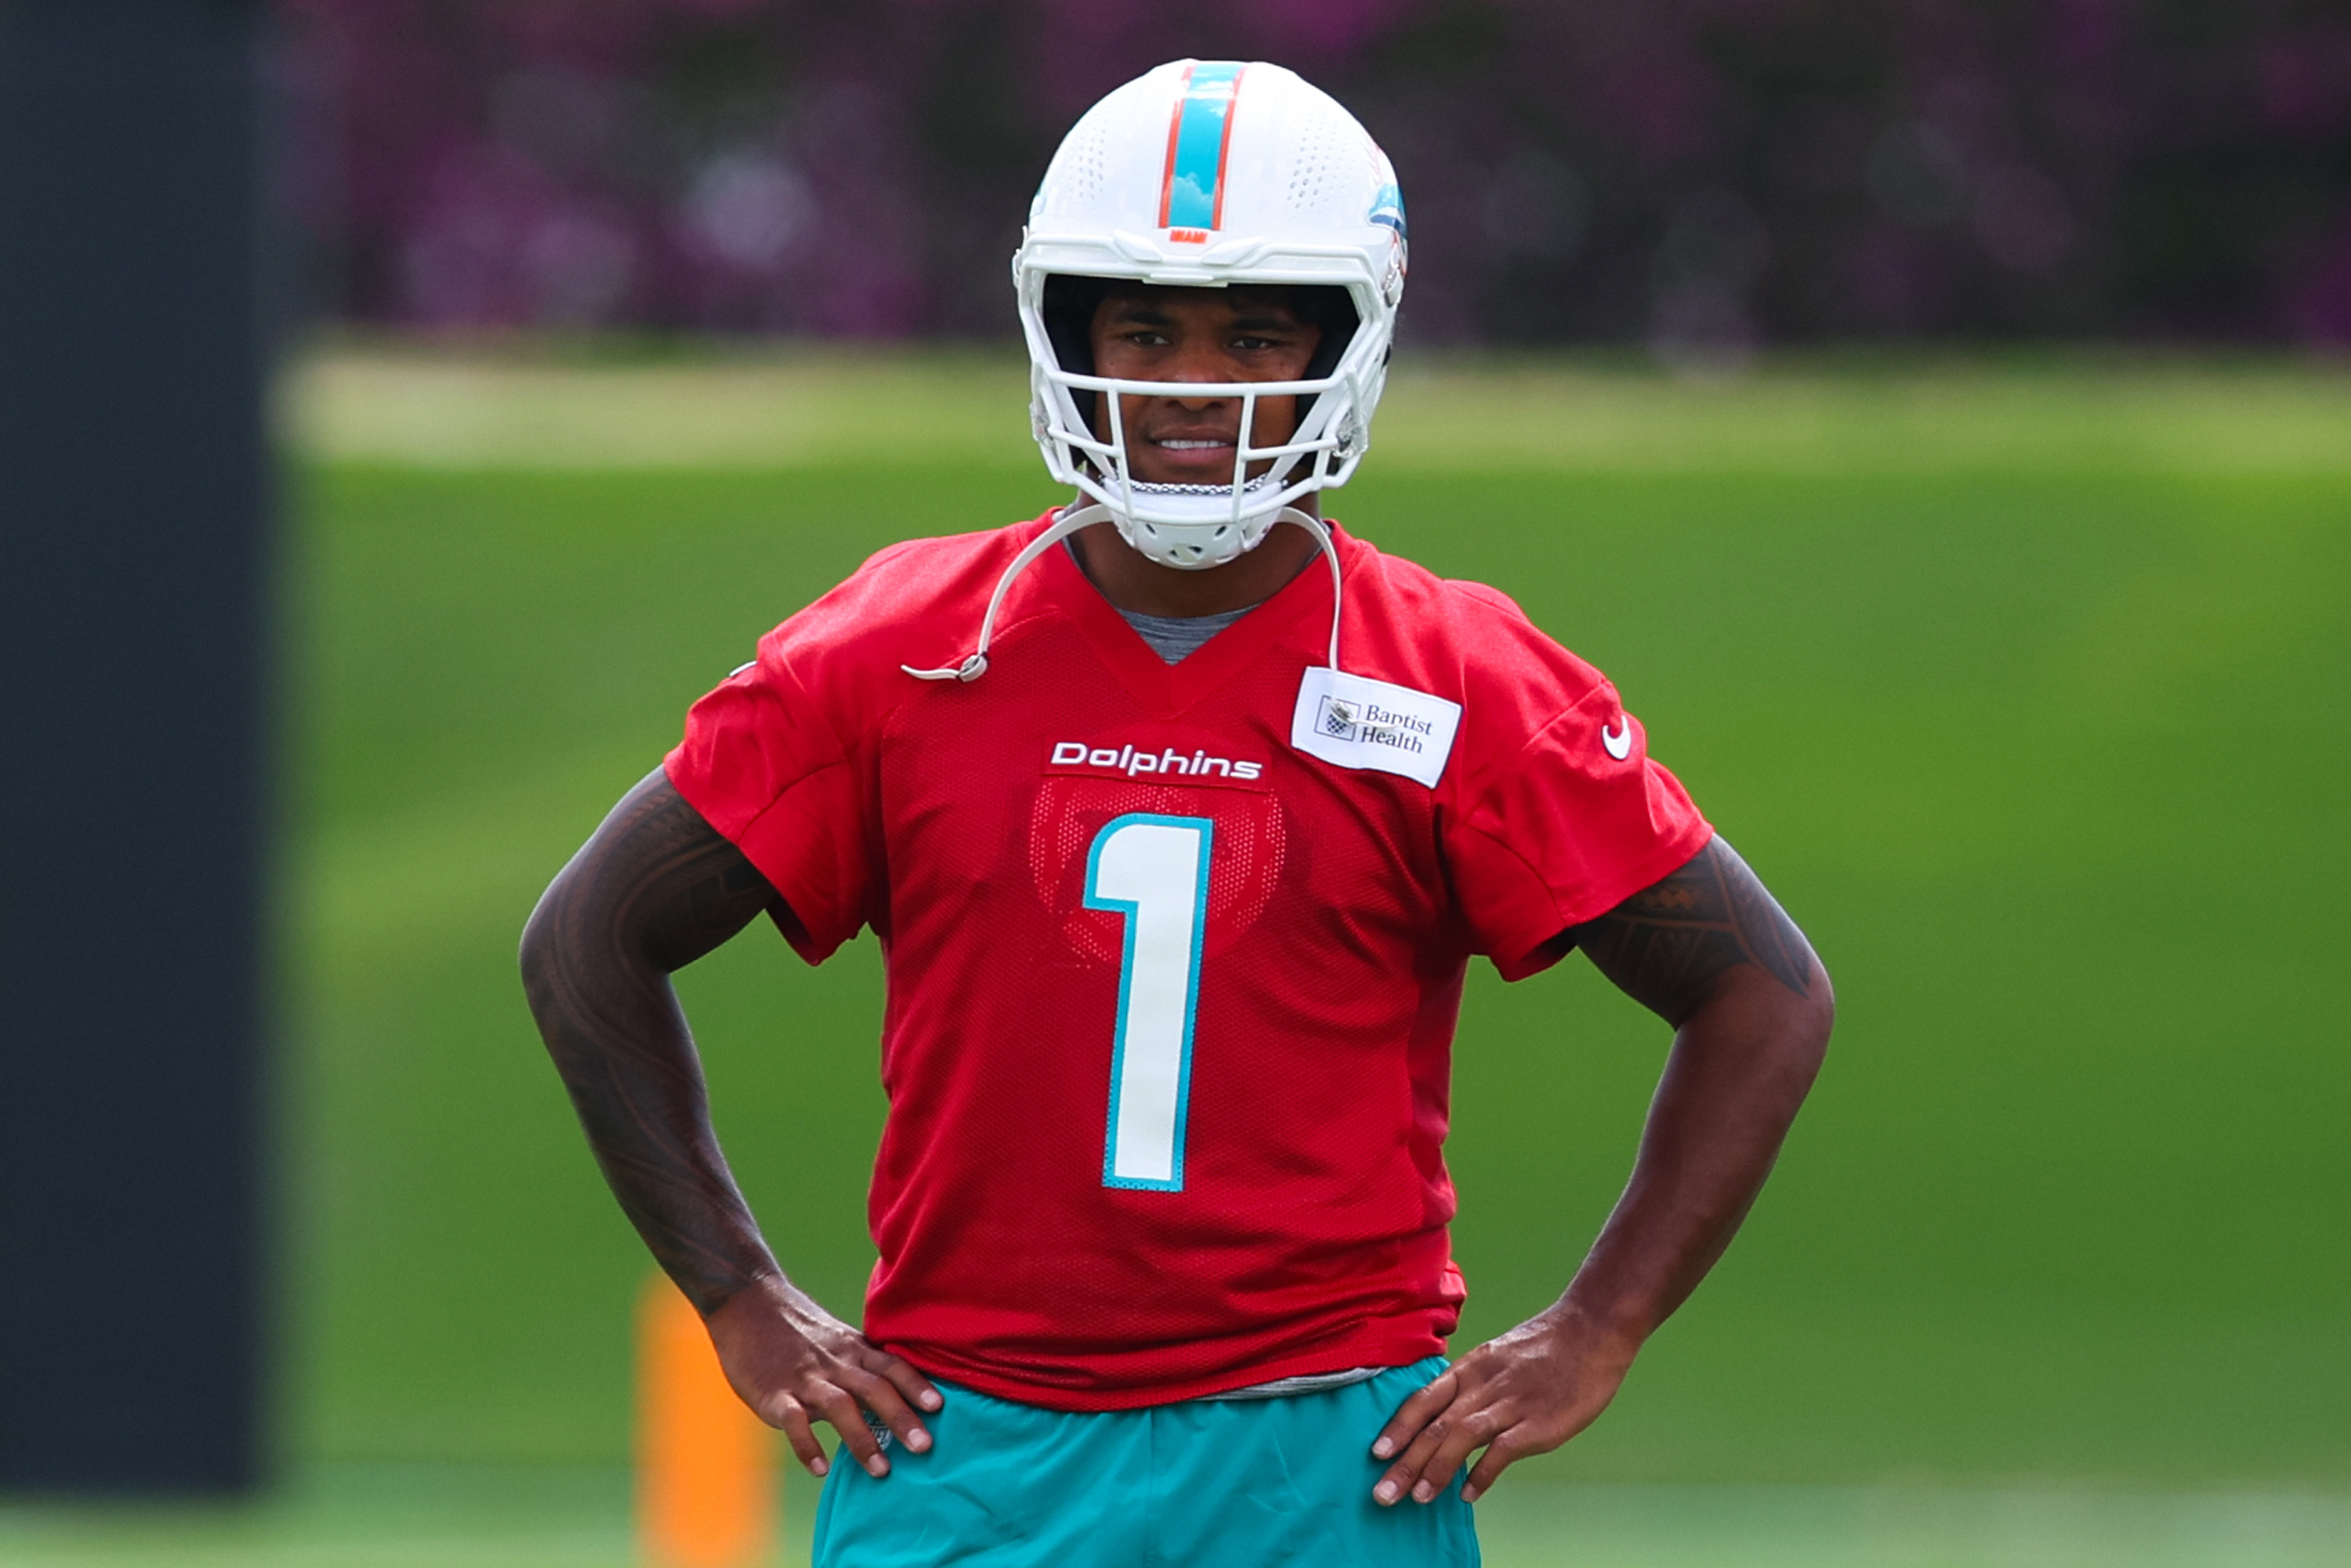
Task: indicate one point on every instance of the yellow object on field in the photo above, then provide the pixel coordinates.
(706, 1464)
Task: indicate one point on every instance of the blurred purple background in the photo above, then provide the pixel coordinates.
(1701, 175)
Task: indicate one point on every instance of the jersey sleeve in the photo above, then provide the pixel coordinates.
(1566, 815)
(768, 767)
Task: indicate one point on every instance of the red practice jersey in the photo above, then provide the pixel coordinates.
(1174, 952)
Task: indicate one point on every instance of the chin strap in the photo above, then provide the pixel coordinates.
(1070, 522)
(1329, 553)
(1067, 523)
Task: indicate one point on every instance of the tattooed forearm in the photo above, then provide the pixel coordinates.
(1696, 949)
(653, 890)
(1665, 945)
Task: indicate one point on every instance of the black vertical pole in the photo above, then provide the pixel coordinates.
(133, 546)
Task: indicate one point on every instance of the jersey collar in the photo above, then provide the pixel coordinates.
(1167, 690)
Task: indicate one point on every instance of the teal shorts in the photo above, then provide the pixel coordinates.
(1237, 1483)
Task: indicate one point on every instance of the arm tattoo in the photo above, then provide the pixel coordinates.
(654, 889)
(1664, 946)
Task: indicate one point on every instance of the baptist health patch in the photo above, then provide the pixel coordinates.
(1353, 722)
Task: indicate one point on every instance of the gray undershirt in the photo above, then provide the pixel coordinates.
(1175, 637)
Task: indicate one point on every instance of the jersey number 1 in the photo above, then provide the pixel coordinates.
(1153, 870)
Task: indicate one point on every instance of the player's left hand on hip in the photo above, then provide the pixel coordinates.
(1525, 1393)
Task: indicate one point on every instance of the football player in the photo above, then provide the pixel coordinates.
(1178, 812)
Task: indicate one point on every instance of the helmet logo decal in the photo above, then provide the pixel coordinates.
(1199, 133)
(1387, 208)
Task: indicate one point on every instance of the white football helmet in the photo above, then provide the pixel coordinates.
(1207, 173)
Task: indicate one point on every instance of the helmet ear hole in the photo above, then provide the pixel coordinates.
(1068, 309)
(1332, 309)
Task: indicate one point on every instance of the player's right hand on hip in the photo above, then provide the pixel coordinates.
(794, 1364)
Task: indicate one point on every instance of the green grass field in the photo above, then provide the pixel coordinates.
(2023, 684)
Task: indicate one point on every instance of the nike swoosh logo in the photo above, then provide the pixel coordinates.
(1619, 742)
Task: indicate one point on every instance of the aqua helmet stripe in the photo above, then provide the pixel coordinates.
(1192, 195)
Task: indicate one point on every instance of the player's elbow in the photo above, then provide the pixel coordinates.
(536, 954)
(1786, 1024)
(541, 954)
(1821, 993)
(1811, 1018)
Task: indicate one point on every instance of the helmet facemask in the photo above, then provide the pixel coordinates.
(1081, 424)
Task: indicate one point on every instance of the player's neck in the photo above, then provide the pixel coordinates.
(1134, 583)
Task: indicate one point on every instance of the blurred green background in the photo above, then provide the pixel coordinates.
(2023, 682)
(2019, 672)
